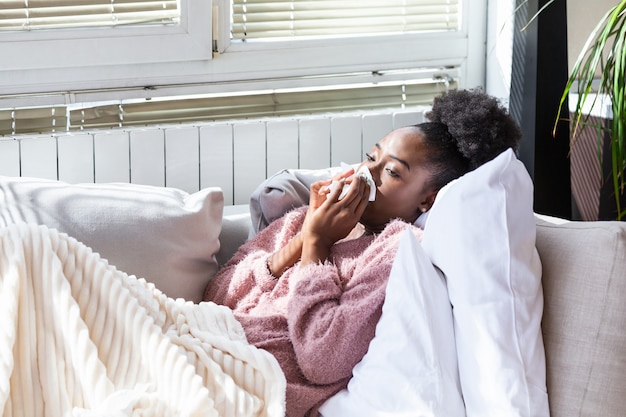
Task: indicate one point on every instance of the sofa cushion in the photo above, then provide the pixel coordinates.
(165, 235)
(584, 322)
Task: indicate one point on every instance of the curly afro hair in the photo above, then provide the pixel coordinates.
(481, 126)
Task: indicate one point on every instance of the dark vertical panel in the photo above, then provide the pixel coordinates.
(524, 80)
(538, 79)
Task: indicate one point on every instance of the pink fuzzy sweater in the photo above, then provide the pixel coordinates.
(316, 320)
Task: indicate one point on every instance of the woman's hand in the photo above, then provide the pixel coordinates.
(330, 219)
(291, 253)
(320, 189)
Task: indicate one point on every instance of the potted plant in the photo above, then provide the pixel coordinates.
(599, 73)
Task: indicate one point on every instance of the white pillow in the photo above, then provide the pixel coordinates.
(410, 368)
(165, 235)
(481, 234)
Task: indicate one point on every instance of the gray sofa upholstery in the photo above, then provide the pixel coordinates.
(584, 321)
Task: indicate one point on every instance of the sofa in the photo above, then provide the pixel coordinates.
(583, 271)
(584, 321)
(583, 278)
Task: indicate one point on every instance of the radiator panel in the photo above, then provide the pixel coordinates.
(75, 158)
(38, 158)
(346, 140)
(182, 158)
(147, 156)
(249, 159)
(216, 159)
(235, 156)
(282, 144)
(112, 157)
(10, 158)
(314, 143)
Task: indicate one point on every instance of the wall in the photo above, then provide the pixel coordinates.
(582, 17)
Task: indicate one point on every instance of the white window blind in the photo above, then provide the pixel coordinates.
(261, 104)
(254, 19)
(58, 14)
(33, 120)
(59, 119)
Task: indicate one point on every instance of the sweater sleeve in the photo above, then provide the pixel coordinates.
(247, 269)
(331, 324)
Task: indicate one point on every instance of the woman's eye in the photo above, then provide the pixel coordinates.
(392, 173)
(369, 157)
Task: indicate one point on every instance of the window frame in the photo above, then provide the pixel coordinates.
(190, 67)
(309, 57)
(107, 57)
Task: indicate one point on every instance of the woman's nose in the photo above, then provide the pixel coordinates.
(375, 169)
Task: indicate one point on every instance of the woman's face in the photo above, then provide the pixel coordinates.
(400, 174)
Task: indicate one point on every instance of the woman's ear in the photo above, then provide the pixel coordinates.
(428, 202)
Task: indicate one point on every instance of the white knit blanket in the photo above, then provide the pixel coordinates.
(78, 337)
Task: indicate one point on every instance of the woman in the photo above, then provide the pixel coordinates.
(310, 287)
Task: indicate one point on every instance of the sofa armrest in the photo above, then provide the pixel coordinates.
(236, 229)
(584, 322)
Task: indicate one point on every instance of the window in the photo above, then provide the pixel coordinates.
(49, 48)
(265, 39)
(232, 47)
(26, 15)
(263, 19)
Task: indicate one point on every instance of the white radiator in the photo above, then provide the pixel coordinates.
(236, 156)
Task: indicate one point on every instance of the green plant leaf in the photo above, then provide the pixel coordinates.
(603, 53)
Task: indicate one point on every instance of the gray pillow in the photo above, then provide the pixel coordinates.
(283, 191)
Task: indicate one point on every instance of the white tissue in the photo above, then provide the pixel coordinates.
(362, 172)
